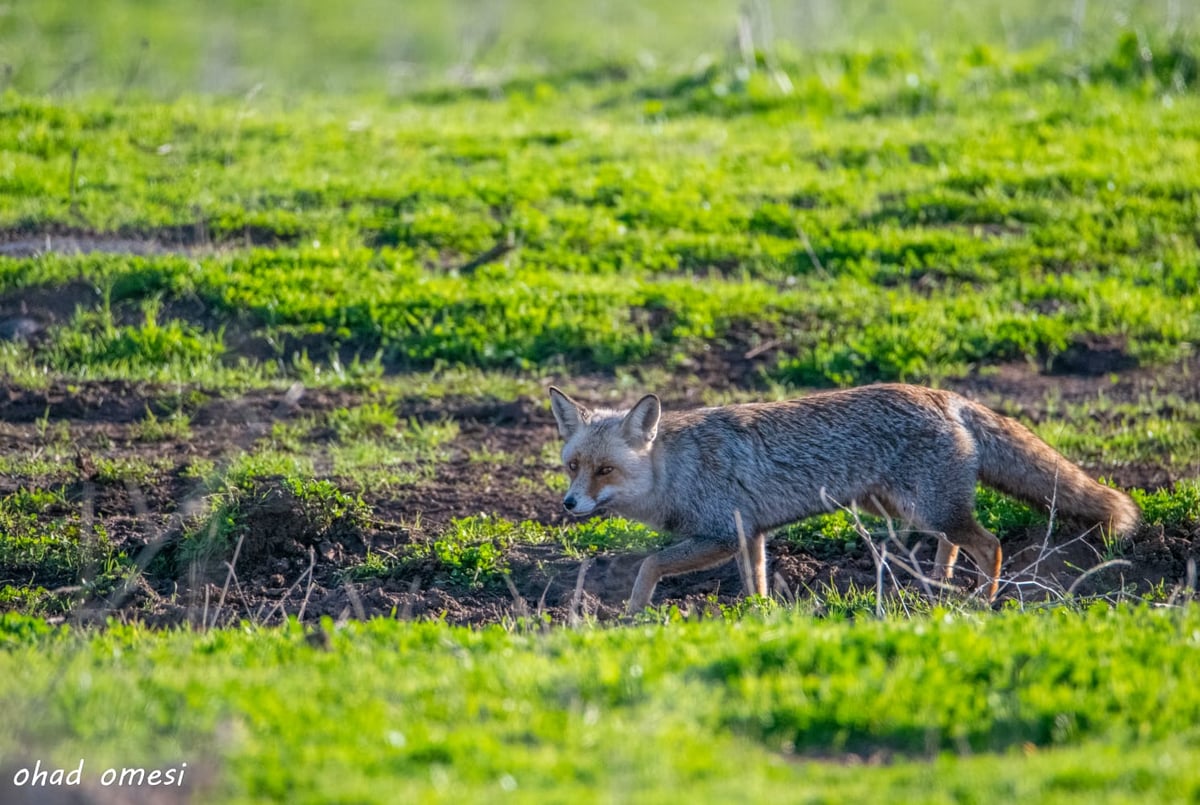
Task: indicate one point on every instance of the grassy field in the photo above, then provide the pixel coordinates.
(782, 706)
(279, 487)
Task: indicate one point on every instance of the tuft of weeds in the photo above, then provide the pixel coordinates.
(599, 535)
(472, 552)
(1179, 507)
(152, 428)
(324, 504)
(134, 469)
(33, 600)
(373, 566)
(209, 534)
(53, 434)
(1002, 514)
(828, 536)
(248, 467)
(369, 421)
(855, 601)
(93, 344)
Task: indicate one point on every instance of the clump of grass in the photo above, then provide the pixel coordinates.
(152, 428)
(324, 504)
(599, 535)
(374, 566)
(472, 552)
(368, 443)
(1177, 508)
(135, 469)
(56, 435)
(210, 533)
(369, 421)
(1002, 514)
(247, 468)
(424, 440)
(856, 601)
(32, 599)
(828, 536)
(401, 457)
(93, 343)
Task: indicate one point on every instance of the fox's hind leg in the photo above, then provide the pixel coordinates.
(953, 516)
(683, 557)
(943, 563)
(981, 545)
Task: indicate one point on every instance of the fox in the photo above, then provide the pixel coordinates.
(719, 480)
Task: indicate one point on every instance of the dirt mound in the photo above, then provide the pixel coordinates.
(277, 525)
(1094, 356)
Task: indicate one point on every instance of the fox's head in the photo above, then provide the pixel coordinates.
(606, 453)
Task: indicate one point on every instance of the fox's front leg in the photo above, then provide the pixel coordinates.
(752, 564)
(683, 557)
(758, 564)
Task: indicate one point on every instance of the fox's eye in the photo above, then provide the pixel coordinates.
(573, 465)
(604, 470)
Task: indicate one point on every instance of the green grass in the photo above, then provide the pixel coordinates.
(59, 555)
(1018, 211)
(367, 446)
(472, 553)
(600, 535)
(1181, 505)
(365, 421)
(175, 427)
(1163, 431)
(837, 534)
(747, 708)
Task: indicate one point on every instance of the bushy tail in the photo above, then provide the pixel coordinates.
(1014, 460)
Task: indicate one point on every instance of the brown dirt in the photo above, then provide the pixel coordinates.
(198, 236)
(271, 576)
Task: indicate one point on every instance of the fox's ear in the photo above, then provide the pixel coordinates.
(640, 425)
(569, 414)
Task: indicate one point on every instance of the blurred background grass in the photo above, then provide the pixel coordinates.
(162, 49)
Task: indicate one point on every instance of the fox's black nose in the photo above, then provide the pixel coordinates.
(569, 503)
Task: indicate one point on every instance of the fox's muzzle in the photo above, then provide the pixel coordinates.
(579, 505)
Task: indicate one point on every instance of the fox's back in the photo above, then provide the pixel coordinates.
(877, 419)
(778, 462)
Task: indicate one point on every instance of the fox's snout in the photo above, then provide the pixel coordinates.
(580, 504)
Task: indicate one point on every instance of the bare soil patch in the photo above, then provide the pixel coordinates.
(191, 238)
